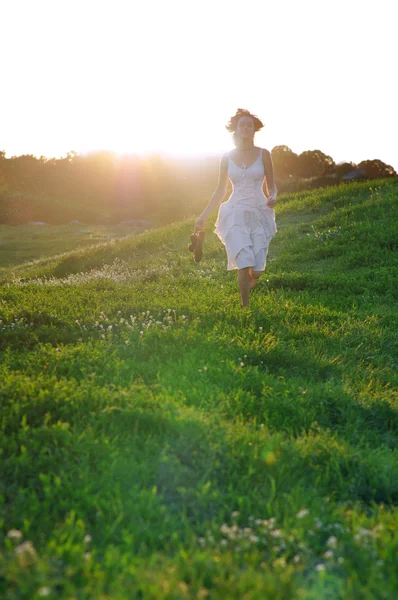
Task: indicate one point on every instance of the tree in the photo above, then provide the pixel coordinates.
(313, 163)
(376, 168)
(343, 168)
(284, 161)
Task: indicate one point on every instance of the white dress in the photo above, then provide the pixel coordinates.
(245, 219)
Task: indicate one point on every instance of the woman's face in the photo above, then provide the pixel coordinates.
(245, 128)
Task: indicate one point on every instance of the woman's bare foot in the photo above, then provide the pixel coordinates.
(253, 280)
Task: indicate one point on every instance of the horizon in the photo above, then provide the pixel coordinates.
(166, 155)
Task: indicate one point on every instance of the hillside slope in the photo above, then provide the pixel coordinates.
(159, 442)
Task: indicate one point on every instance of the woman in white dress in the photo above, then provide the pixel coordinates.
(246, 221)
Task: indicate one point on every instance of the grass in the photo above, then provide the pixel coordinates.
(22, 244)
(159, 442)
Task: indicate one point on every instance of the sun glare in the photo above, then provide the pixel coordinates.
(166, 76)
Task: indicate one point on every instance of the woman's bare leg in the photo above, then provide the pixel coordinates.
(254, 275)
(244, 285)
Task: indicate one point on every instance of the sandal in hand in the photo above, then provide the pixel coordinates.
(196, 244)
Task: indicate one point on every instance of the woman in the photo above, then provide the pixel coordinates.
(246, 221)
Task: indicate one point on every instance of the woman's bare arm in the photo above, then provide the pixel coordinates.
(269, 174)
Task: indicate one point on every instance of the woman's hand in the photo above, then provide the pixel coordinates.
(200, 224)
(271, 200)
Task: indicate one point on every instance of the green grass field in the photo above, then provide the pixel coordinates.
(157, 441)
(24, 243)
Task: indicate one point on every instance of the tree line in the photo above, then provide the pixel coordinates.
(105, 187)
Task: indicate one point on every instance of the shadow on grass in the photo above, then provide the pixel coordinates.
(320, 436)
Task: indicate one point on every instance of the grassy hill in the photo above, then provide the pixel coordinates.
(157, 441)
(21, 244)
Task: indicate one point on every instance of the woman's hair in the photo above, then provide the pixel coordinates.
(233, 122)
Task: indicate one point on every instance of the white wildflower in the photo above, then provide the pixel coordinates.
(25, 548)
(364, 532)
(332, 541)
(276, 533)
(14, 534)
(26, 554)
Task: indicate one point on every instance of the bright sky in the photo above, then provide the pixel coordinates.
(166, 75)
